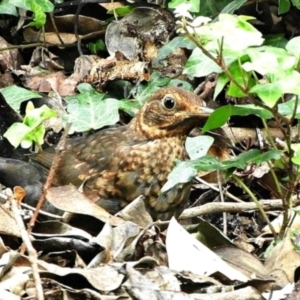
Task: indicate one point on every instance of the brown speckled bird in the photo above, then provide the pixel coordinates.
(118, 164)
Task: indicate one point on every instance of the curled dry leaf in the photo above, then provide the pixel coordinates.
(68, 198)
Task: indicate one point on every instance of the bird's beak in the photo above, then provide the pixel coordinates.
(205, 110)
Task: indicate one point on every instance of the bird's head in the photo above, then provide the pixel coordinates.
(171, 111)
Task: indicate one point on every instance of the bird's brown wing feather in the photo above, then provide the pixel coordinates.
(86, 157)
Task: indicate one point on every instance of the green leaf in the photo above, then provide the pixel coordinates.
(169, 48)
(96, 47)
(198, 146)
(296, 157)
(144, 91)
(16, 134)
(195, 4)
(199, 65)
(261, 62)
(250, 109)
(284, 6)
(275, 40)
(129, 106)
(34, 117)
(242, 78)
(221, 82)
(235, 28)
(253, 156)
(296, 3)
(293, 47)
(7, 8)
(269, 93)
(220, 116)
(182, 173)
(210, 8)
(39, 15)
(45, 5)
(15, 95)
(182, 84)
(32, 129)
(233, 6)
(90, 110)
(120, 11)
(287, 108)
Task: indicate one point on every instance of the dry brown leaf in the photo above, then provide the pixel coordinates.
(67, 198)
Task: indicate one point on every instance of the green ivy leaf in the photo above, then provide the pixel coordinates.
(198, 146)
(7, 8)
(195, 4)
(166, 50)
(32, 129)
(91, 109)
(231, 7)
(287, 108)
(143, 91)
(35, 116)
(39, 15)
(221, 82)
(15, 95)
(293, 47)
(185, 171)
(284, 6)
(97, 47)
(121, 11)
(182, 173)
(269, 93)
(45, 5)
(220, 116)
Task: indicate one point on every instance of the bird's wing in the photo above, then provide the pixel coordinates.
(85, 157)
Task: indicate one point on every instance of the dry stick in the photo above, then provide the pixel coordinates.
(55, 30)
(32, 254)
(218, 207)
(222, 200)
(59, 152)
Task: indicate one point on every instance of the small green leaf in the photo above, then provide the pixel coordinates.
(218, 118)
(242, 78)
(45, 5)
(39, 15)
(16, 133)
(182, 173)
(97, 47)
(287, 108)
(284, 6)
(120, 11)
(36, 116)
(233, 6)
(15, 95)
(296, 3)
(144, 91)
(32, 129)
(293, 47)
(198, 146)
(91, 109)
(199, 65)
(269, 93)
(275, 40)
(8, 8)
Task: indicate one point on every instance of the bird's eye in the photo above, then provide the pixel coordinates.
(168, 102)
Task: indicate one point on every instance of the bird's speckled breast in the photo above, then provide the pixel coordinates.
(142, 169)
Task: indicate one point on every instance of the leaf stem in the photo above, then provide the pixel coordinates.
(254, 199)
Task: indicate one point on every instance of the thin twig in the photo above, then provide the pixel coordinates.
(231, 207)
(32, 254)
(54, 166)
